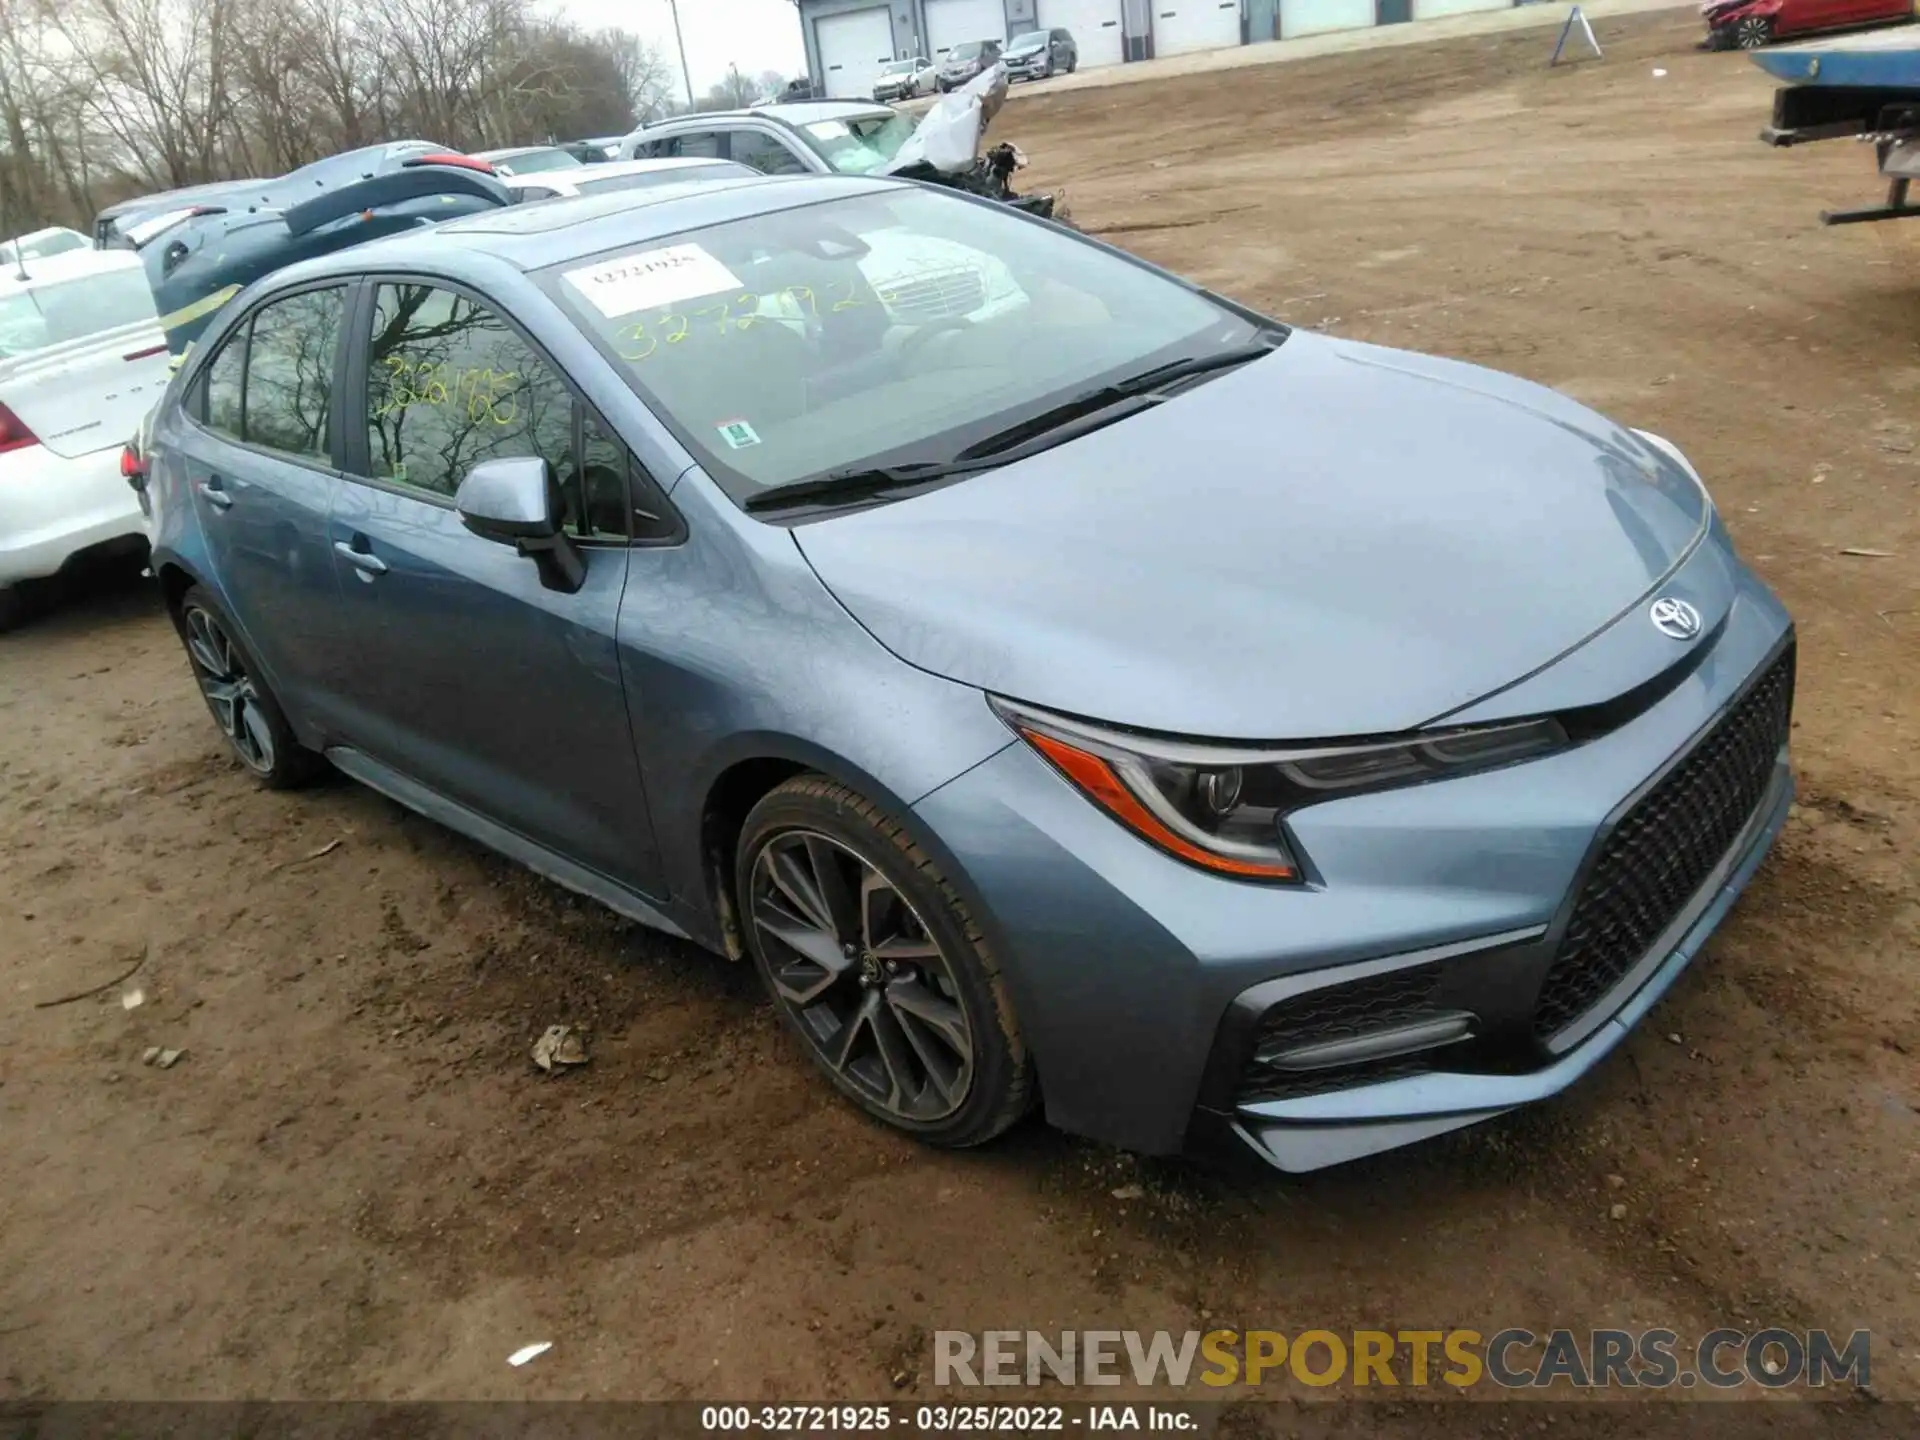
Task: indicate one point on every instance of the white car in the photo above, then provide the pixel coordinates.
(82, 360)
(38, 244)
(623, 175)
(905, 79)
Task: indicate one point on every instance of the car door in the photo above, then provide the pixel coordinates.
(262, 462)
(475, 680)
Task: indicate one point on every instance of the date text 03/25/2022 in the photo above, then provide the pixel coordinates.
(956, 1419)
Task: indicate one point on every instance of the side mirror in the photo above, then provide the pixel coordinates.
(517, 502)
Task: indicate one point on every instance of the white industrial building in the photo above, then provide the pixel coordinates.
(849, 40)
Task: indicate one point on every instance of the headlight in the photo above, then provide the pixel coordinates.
(1224, 807)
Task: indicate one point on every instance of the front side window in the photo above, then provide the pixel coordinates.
(862, 145)
(289, 384)
(765, 153)
(450, 384)
(877, 329)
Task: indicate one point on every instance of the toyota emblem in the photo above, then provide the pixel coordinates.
(1675, 619)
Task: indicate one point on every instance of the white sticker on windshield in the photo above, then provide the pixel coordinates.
(738, 434)
(653, 277)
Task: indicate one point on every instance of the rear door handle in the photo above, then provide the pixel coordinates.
(215, 493)
(366, 563)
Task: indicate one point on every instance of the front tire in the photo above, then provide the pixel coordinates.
(1753, 32)
(249, 717)
(874, 963)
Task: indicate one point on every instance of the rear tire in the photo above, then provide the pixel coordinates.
(249, 717)
(873, 962)
(13, 607)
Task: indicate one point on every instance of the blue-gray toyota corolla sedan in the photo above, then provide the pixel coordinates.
(1067, 686)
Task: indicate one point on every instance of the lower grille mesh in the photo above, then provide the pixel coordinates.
(1339, 1012)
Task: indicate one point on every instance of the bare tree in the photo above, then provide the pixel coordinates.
(100, 99)
(158, 79)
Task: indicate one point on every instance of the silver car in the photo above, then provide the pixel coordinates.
(904, 80)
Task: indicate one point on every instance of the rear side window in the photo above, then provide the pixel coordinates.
(765, 154)
(704, 144)
(290, 373)
(223, 376)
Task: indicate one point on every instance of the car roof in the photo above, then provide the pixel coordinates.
(613, 169)
(794, 112)
(67, 265)
(531, 237)
(512, 150)
(168, 199)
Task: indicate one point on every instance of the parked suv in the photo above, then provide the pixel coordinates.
(810, 137)
(966, 60)
(1040, 53)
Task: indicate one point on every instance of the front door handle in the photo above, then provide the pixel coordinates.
(369, 565)
(215, 494)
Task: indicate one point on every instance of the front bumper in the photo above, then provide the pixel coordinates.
(1026, 70)
(1139, 980)
(1317, 1130)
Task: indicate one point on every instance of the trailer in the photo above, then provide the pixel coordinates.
(1863, 87)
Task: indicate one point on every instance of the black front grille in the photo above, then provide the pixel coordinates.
(1662, 851)
(1339, 1012)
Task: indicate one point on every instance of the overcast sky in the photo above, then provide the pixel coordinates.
(756, 35)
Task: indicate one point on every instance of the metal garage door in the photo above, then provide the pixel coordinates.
(1094, 25)
(1183, 25)
(1315, 17)
(953, 22)
(853, 47)
(1434, 9)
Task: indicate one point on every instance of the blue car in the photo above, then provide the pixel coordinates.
(208, 251)
(1066, 686)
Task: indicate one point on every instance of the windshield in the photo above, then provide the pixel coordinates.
(898, 67)
(1032, 40)
(862, 145)
(665, 175)
(967, 50)
(54, 314)
(877, 329)
(534, 161)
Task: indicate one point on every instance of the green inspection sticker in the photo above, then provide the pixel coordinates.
(738, 434)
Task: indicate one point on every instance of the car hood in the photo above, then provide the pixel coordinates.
(1336, 540)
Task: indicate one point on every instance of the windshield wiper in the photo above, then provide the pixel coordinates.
(1141, 387)
(854, 484)
(1102, 406)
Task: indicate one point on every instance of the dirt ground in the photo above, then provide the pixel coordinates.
(354, 1184)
